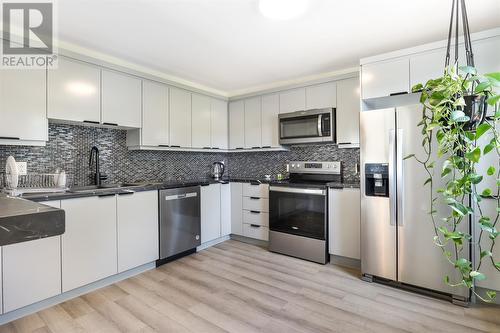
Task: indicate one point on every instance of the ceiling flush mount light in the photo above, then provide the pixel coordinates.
(283, 9)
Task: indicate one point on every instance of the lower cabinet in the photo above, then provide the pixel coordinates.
(210, 212)
(89, 250)
(256, 211)
(237, 209)
(225, 209)
(137, 229)
(31, 272)
(344, 222)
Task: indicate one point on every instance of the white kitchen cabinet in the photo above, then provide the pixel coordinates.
(219, 124)
(121, 99)
(253, 122)
(270, 121)
(321, 96)
(210, 212)
(348, 111)
(137, 229)
(256, 190)
(383, 78)
(486, 53)
(180, 118)
(74, 91)
(237, 208)
(31, 272)
(256, 232)
(154, 114)
(23, 114)
(256, 204)
(344, 222)
(426, 66)
(237, 125)
(89, 251)
(225, 209)
(201, 116)
(293, 100)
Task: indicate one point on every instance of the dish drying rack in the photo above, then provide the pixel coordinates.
(32, 183)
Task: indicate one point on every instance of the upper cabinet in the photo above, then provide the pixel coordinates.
(237, 124)
(270, 121)
(121, 99)
(74, 91)
(155, 125)
(180, 118)
(219, 124)
(293, 100)
(486, 55)
(321, 96)
(426, 66)
(253, 123)
(23, 114)
(385, 78)
(348, 111)
(201, 116)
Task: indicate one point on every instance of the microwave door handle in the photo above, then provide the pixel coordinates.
(320, 127)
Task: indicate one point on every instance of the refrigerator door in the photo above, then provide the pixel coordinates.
(378, 230)
(420, 262)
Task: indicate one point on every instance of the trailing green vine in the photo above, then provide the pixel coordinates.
(448, 137)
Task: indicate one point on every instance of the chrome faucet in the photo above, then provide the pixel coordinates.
(94, 156)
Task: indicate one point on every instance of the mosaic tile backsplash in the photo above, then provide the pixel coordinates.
(69, 146)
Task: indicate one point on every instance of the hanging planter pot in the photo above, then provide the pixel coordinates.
(475, 109)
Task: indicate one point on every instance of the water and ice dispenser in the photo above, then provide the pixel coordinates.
(377, 179)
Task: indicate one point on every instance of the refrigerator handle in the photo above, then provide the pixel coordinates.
(399, 176)
(392, 178)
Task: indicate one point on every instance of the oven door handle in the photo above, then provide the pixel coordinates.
(297, 190)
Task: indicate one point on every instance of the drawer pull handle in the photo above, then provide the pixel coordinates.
(175, 146)
(254, 212)
(106, 195)
(110, 124)
(255, 198)
(9, 138)
(255, 225)
(91, 122)
(398, 93)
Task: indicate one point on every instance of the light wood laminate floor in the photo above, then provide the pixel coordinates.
(237, 287)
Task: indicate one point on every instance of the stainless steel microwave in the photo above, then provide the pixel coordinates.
(307, 126)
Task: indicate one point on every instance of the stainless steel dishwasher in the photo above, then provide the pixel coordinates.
(179, 222)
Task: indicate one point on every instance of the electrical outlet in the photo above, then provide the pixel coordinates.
(22, 167)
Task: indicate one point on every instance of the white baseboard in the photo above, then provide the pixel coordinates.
(212, 243)
(46, 303)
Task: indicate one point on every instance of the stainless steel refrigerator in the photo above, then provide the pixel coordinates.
(396, 230)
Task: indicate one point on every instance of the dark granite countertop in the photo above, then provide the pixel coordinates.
(24, 220)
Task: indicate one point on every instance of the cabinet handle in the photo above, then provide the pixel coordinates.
(238, 148)
(256, 147)
(163, 146)
(9, 138)
(106, 195)
(215, 148)
(254, 212)
(175, 146)
(91, 122)
(204, 184)
(255, 225)
(207, 147)
(110, 124)
(255, 198)
(398, 93)
(266, 147)
(344, 143)
(126, 193)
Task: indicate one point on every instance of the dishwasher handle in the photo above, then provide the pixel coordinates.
(181, 196)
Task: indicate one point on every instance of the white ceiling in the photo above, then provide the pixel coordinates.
(229, 46)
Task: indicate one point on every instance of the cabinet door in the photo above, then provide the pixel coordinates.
(348, 111)
(180, 118)
(426, 66)
(270, 121)
(253, 123)
(237, 125)
(321, 96)
(31, 272)
(89, 250)
(154, 114)
(344, 222)
(293, 100)
(219, 124)
(225, 209)
(23, 115)
(200, 121)
(137, 216)
(486, 55)
(74, 91)
(385, 78)
(237, 208)
(121, 99)
(210, 212)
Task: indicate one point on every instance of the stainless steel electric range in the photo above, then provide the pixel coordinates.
(298, 210)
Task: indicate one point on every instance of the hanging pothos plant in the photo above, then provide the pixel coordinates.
(455, 135)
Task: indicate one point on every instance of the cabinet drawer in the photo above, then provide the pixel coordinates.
(254, 217)
(259, 191)
(255, 231)
(257, 204)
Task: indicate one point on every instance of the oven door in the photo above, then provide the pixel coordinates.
(298, 211)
